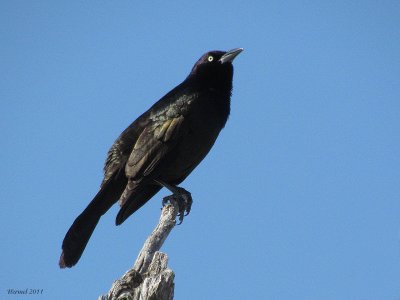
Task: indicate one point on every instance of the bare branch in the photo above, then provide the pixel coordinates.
(150, 277)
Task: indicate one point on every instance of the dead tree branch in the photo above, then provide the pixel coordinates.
(150, 277)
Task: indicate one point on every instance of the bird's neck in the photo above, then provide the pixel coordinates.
(221, 100)
(217, 91)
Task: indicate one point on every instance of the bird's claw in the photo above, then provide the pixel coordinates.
(166, 200)
(184, 200)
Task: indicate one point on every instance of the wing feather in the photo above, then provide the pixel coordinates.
(152, 146)
(119, 152)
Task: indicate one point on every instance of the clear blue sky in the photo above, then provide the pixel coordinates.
(299, 198)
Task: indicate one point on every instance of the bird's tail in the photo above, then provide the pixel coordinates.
(133, 198)
(81, 230)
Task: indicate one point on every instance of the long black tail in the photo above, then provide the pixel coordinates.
(81, 230)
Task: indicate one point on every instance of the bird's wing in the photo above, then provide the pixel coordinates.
(153, 131)
(156, 140)
(152, 148)
(119, 152)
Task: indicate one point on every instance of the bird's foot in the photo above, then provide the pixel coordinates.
(184, 200)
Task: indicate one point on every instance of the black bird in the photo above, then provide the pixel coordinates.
(160, 149)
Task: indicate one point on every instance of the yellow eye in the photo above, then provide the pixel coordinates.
(210, 58)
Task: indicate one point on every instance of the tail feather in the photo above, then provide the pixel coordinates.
(81, 230)
(135, 199)
(77, 237)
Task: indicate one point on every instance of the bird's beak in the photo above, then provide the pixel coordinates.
(230, 55)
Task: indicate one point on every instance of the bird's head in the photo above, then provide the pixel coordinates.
(215, 68)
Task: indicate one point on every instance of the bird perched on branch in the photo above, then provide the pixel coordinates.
(160, 149)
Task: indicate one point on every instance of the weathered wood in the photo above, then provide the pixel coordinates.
(149, 278)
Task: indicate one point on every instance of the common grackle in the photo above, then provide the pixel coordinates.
(160, 149)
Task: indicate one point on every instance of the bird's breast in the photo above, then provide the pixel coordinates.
(204, 120)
